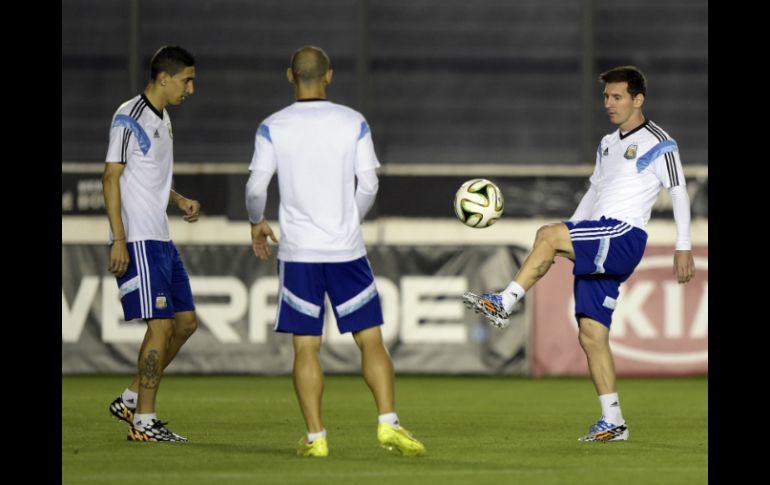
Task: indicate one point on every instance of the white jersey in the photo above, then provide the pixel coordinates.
(317, 147)
(630, 171)
(141, 138)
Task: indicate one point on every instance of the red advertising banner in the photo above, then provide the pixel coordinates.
(658, 328)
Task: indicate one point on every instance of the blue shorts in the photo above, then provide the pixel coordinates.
(351, 290)
(156, 284)
(606, 253)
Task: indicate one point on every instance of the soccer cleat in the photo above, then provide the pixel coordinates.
(490, 305)
(604, 431)
(319, 448)
(398, 438)
(154, 431)
(122, 411)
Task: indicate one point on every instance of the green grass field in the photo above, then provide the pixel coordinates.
(476, 429)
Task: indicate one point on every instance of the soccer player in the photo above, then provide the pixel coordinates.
(319, 150)
(605, 237)
(153, 283)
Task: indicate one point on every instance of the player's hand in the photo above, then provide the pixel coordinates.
(118, 258)
(191, 209)
(259, 234)
(684, 266)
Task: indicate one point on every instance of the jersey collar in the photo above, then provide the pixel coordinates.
(149, 105)
(622, 136)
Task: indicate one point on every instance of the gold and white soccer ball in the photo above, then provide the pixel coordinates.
(478, 203)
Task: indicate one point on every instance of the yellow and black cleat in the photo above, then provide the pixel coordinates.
(120, 409)
(154, 431)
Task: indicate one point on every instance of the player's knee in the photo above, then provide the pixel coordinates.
(185, 324)
(187, 327)
(542, 234)
(369, 338)
(307, 346)
(163, 329)
(591, 340)
(548, 234)
(557, 237)
(584, 340)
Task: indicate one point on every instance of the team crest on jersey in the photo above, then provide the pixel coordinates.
(630, 152)
(160, 302)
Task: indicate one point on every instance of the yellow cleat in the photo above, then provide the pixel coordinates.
(318, 448)
(398, 438)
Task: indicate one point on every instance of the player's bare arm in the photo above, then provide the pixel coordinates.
(111, 188)
(190, 207)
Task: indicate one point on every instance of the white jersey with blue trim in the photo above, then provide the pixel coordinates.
(141, 138)
(317, 147)
(630, 171)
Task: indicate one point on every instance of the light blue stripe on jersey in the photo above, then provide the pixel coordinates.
(661, 148)
(302, 306)
(361, 299)
(599, 151)
(364, 130)
(141, 137)
(264, 130)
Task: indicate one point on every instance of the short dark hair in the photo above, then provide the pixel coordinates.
(309, 64)
(170, 59)
(637, 83)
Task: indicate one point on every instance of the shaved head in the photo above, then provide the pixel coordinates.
(309, 64)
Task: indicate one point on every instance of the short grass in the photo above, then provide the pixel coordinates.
(243, 430)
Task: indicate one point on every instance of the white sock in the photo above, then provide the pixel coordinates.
(511, 294)
(390, 418)
(611, 408)
(141, 420)
(314, 436)
(130, 398)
